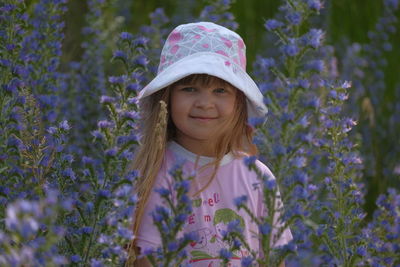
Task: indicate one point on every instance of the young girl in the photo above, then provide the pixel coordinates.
(197, 108)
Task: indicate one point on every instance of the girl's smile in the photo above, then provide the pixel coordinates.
(199, 111)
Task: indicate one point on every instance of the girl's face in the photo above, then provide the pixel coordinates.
(198, 111)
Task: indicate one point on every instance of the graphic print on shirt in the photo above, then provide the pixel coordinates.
(210, 240)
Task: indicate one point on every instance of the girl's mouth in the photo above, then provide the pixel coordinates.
(204, 119)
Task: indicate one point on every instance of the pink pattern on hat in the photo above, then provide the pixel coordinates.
(227, 42)
(205, 29)
(174, 37)
(174, 49)
(222, 53)
(202, 37)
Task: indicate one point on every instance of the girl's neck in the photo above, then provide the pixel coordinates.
(200, 147)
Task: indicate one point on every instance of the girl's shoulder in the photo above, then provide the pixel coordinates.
(246, 160)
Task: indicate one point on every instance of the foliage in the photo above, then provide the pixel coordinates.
(67, 139)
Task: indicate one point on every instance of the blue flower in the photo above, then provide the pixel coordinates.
(247, 261)
(239, 201)
(134, 87)
(126, 36)
(105, 124)
(103, 193)
(234, 226)
(273, 24)
(270, 183)
(294, 18)
(314, 4)
(164, 192)
(112, 152)
(120, 54)
(172, 246)
(86, 230)
(116, 79)
(265, 228)
(250, 161)
(141, 61)
(141, 41)
(291, 50)
(75, 258)
(104, 99)
(256, 121)
(316, 65)
(225, 254)
(313, 38)
(64, 126)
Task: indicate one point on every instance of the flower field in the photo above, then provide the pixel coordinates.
(69, 130)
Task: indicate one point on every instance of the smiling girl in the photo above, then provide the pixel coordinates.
(197, 108)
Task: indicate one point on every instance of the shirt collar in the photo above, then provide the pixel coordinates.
(202, 160)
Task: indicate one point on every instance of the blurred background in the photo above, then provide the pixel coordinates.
(364, 50)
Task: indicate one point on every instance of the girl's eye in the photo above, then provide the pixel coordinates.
(188, 89)
(220, 90)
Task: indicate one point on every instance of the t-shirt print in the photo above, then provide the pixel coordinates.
(212, 209)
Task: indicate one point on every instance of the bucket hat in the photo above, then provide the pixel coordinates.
(206, 48)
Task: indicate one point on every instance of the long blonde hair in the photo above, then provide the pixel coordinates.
(235, 136)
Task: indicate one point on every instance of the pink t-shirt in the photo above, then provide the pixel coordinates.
(213, 208)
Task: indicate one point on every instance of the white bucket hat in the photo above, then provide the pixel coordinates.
(206, 48)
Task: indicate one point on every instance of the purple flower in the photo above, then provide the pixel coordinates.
(141, 61)
(104, 99)
(225, 254)
(303, 83)
(141, 41)
(126, 36)
(97, 135)
(294, 18)
(316, 65)
(239, 201)
(103, 193)
(87, 160)
(64, 126)
(69, 173)
(267, 62)
(314, 38)
(256, 121)
(133, 87)
(164, 192)
(270, 184)
(299, 162)
(314, 4)
(120, 54)
(265, 228)
(104, 124)
(234, 226)
(247, 261)
(132, 115)
(250, 161)
(192, 236)
(172, 246)
(273, 24)
(75, 258)
(291, 50)
(116, 79)
(112, 152)
(86, 230)
(52, 130)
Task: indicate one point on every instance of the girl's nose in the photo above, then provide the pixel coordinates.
(204, 100)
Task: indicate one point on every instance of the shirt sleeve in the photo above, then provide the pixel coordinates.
(148, 236)
(286, 235)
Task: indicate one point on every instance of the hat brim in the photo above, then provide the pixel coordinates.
(212, 64)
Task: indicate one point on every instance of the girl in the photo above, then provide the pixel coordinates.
(197, 108)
